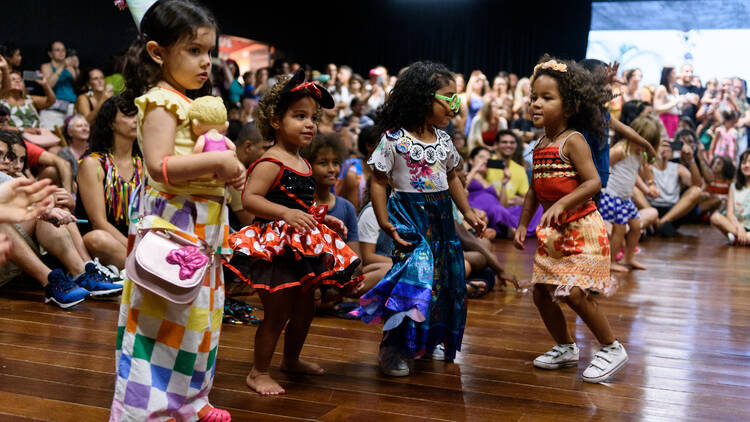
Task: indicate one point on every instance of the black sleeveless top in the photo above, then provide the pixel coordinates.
(291, 189)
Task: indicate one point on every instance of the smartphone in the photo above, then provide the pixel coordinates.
(31, 76)
(676, 145)
(496, 164)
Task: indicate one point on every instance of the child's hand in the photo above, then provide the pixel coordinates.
(239, 182)
(475, 222)
(336, 225)
(520, 238)
(553, 215)
(653, 191)
(300, 220)
(229, 168)
(58, 217)
(390, 230)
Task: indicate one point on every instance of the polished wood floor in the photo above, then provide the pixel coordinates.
(685, 323)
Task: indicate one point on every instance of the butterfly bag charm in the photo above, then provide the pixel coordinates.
(167, 261)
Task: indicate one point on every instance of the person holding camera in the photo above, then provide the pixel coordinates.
(498, 184)
(60, 72)
(669, 180)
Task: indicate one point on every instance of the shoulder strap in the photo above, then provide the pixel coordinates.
(562, 145)
(255, 163)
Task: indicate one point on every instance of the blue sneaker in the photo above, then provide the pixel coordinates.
(97, 283)
(62, 291)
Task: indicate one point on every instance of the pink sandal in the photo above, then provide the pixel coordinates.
(216, 415)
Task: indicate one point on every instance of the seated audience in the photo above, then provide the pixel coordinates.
(76, 132)
(23, 110)
(55, 232)
(669, 179)
(110, 171)
(735, 224)
(60, 73)
(95, 92)
(486, 124)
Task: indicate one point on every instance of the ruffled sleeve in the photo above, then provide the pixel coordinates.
(171, 101)
(453, 158)
(383, 157)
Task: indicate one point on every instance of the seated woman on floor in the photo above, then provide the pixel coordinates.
(108, 175)
(54, 232)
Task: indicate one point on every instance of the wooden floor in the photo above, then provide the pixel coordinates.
(685, 323)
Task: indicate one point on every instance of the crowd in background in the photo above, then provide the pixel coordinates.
(77, 131)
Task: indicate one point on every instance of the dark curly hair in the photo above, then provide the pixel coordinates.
(583, 95)
(322, 141)
(273, 104)
(102, 134)
(410, 101)
(167, 22)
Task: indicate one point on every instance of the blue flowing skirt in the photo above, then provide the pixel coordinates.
(422, 299)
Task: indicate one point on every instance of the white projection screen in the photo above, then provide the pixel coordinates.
(712, 35)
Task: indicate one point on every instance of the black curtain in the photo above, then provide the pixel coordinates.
(464, 34)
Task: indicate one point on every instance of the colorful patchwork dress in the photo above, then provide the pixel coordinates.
(575, 253)
(422, 299)
(166, 352)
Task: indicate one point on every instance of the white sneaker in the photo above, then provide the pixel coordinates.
(606, 363)
(391, 363)
(437, 354)
(560, 356)
(109, 271)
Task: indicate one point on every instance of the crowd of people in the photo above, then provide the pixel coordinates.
(338, 186)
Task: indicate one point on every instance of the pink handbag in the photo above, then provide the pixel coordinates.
(166, 263)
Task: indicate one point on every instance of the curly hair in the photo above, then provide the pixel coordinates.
(273, 104)
(410, 102)
(102, 136)
(583, 95)
(322, 141)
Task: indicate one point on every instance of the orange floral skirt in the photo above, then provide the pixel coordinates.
(575, 254)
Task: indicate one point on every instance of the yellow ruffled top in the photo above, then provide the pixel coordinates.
(184, 141)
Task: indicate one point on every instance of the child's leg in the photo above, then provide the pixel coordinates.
(277, 308)
(585, 306)
(618, 234)
(632, 242)
(295, 334)
(551, 314)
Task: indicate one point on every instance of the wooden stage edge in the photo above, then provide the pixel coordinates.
(685, 322)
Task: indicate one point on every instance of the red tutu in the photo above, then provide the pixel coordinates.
(273, 255)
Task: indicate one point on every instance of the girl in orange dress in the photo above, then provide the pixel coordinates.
(573, 257)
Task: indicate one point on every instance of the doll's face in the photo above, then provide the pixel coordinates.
(201, 128)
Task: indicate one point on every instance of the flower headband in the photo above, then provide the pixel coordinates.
(552, 64)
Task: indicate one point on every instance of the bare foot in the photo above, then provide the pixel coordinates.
(634, 264)
(618, 268)
(302, 367)
(263, 384)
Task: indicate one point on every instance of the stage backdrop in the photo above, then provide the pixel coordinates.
(465, 34)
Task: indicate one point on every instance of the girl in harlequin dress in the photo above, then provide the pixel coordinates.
(288, 250)
(573, 257)
(166, 351)
(421, 299)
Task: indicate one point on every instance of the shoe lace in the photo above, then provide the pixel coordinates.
(66, 284)
(103, 270)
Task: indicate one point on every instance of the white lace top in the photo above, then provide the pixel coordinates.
(412, 165)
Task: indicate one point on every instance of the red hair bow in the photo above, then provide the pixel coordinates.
(311, 87)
